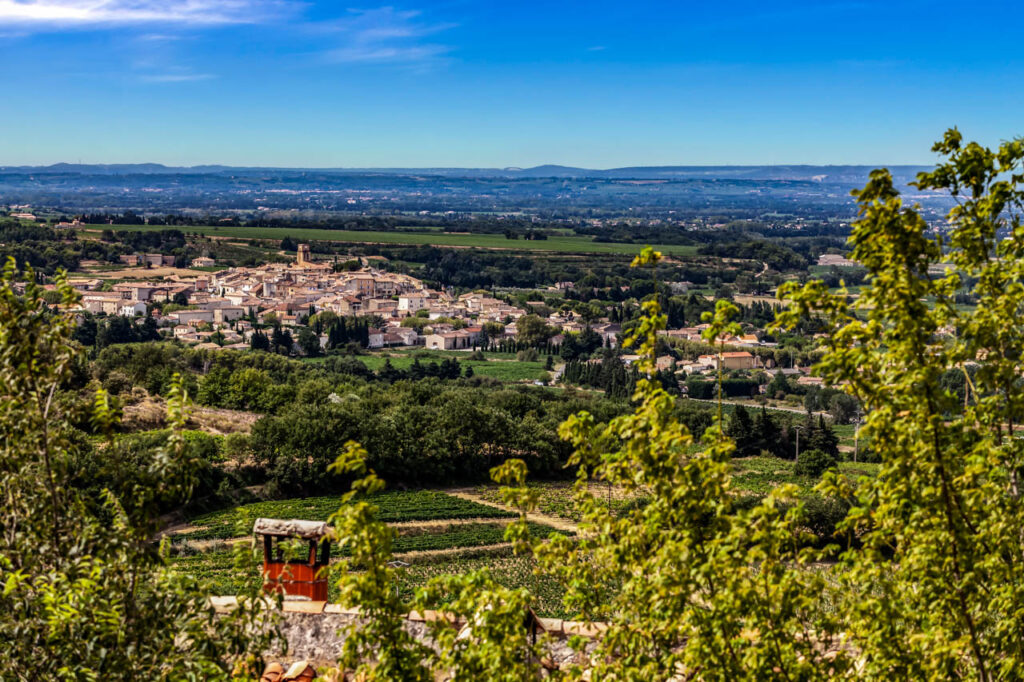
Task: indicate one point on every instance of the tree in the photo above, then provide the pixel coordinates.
(309, 342)
(248, 389)
(86, 594)
(813, 463)
(493, 330)
(778, 386)
(281, 341)
(85, 331)
(844, 407)
(769, 435)
(389, 373)
(823, 438)
(113, 330)
(259, 341)
(532, 330)
(148, 330)
(528, 355)
(213, 389)
(570, 348)
(931, 590)
(589, 340)
(52, 297)
(180, 298)
(741, 431)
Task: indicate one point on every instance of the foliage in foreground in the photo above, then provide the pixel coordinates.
(86, 595)
(930, 576)
(692, 583)
(936, 589)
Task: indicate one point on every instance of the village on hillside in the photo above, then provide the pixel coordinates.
(225, 309)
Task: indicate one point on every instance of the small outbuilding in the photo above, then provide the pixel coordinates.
(297, 576)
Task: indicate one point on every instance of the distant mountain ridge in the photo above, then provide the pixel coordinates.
(799, 172)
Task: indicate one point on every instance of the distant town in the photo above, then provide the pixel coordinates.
(223, 310)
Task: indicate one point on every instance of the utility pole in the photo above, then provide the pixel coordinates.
(798, 429)
(856, 437)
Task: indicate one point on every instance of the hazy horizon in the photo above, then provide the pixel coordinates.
(462, 167)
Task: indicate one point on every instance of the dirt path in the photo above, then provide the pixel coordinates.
(755, 406)
(419, 554)
(443, 523)
(553, 521)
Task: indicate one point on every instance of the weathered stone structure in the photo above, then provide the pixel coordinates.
(315, 631)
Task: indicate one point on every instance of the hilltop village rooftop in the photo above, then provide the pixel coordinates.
(227, 301)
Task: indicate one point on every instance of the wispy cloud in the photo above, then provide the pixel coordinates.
(158, 38)
(175, 77)
(386, 35)
(42, 14)
(596, 48)
(160, 58)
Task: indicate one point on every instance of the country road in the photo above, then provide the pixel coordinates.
(767, 407)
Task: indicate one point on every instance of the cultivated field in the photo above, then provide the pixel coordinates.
(759, 475)
(420, 505)
(513, 572)
(566, 244)
(437, 534)
(751, 475)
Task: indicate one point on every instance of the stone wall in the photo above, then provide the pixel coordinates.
(315, 631)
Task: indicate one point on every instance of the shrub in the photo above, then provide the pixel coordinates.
(117, 383)
(822, 514)
(528, 355)
(813, 463)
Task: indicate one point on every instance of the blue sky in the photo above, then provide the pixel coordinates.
(460, 83)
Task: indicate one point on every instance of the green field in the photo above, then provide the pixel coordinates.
(752, 475)
(217, 569)
(501, 369)
(469, 535)
(486, 241)
(555, 497)
(759, 475)
(509, 571)
(418, 505)
(457, 536)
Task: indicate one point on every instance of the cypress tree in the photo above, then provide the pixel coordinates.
(824, 438)
(741, 430)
